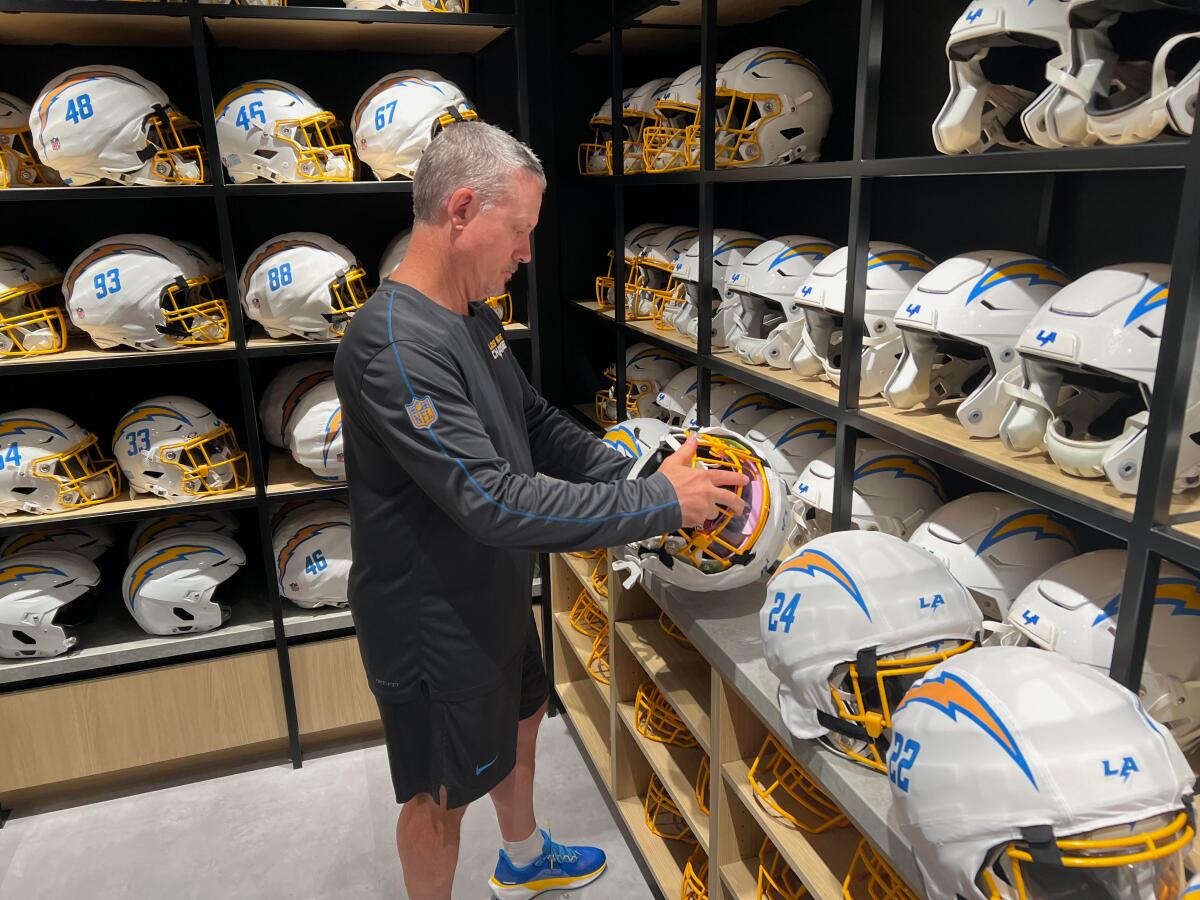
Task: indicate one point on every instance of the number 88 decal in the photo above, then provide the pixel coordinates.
(900, 760)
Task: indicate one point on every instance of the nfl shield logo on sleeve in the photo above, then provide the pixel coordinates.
(421, 412)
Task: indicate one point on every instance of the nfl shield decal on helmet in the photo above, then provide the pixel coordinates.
(421, 412)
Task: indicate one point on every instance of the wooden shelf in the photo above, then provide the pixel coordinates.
(285, 476)
(729, 12)
(571, 694)
(582, 646)
(676, 768)
(129, 30)
(821, 389)
(741, 878)
(821, 861)
(669, 336)
(259, 344)
(683, 676)
(368, 35)
(582, 569)
(127, 508)
(81, 353)
(940, 425)
(665, 859)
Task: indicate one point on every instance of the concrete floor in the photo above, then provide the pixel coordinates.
(324, 831)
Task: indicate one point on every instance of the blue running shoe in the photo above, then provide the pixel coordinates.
(559, 868)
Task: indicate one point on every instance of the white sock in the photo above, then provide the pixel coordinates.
(522, 853)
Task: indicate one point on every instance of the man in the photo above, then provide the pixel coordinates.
(444, 437)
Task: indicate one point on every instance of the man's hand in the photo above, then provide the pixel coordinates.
(701, 491)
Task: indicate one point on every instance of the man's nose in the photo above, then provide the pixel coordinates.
(524, 252)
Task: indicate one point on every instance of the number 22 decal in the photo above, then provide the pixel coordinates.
(900, 760)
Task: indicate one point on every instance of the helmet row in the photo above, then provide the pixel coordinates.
(176, 564)
(172, 447)
(1035, 359)
(773, 108)
(108, 124)
(1076, 786)
(150, 293)
(1082, 86)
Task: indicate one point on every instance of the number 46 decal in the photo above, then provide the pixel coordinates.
(315, 562)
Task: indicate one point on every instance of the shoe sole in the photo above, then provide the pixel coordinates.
(526, 891)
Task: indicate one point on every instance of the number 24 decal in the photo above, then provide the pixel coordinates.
(901, 759)
(783, 612)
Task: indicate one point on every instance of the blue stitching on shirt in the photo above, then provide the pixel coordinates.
(471, 478)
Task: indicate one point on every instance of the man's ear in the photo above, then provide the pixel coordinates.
(462, 206)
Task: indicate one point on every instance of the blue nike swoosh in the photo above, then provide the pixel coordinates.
(479, 770)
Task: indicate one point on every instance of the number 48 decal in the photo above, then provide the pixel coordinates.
(901, 759)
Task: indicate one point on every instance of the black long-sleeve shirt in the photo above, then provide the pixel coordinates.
(444, 436)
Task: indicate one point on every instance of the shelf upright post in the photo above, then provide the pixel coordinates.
(1172, 378)
(708, 89)
(870, 51)
(617, 143)
(201, 46)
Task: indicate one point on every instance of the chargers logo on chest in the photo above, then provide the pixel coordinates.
(498, 346)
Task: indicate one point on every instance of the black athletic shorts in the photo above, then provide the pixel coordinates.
(468, 745)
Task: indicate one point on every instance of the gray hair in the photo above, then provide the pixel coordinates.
(469, 154)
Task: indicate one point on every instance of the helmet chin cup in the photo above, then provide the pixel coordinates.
(752, 351)
(910, 385)
(978, 115)
(1173, 703)
(782, 344)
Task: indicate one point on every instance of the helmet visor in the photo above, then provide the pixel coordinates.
(212, 463)
(179, 158)
(193, 312)
(1142, 861)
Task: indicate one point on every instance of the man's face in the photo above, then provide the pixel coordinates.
(495, 241)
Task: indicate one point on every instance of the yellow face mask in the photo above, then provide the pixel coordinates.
(179, 158)
(83, 475)
(1119, 861)
(598, 665)
(787, 790)
(502, 306)
(776, 880)
(193, 313)
(656, 720)
(673, 144)
(663, 817)
(695, 876)
(586, 617)
(211, 463)
(871, 875)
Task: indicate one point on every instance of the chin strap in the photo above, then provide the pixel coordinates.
(632, 565)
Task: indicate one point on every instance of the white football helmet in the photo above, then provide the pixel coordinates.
(303, 283)
(273, 130)
(595, 156)
(32, 321)
(1019, 775)
(106, 123)
(639, 111)
(979, 114)
(36, 589)
(88, 539)
(850, 622)
(314, 432)
(1073, 610)
(672, 145)
(892, 270)
(797, 435)
(169, 584)
(283, 393)
(773, 108)
(634, 438)
(960, 327)
(1100, 96)
(50, 464)
(636, 240)
(1089, 358)
(728, 551)
(145, 292)
(312, 555)
(751, 318)
(393, 253)
(995, 544)
(894, 492)
(730, 247)
(19, 166)
(400, 114)
(647, 371)
(655, 264)
(195, 522)
(678, 396)
(734, 406)
(176, 448)
(444, 6)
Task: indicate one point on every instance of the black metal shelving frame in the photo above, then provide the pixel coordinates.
(532, 120)
(1149, 530)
